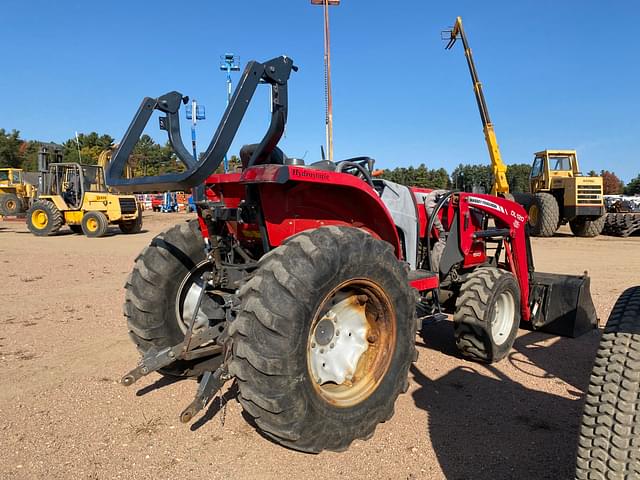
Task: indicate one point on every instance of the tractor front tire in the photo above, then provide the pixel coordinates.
(44, 218)
(95, 224)
(544, 215)
(609, 442)
(487, 314)
(160, 283)
(324, 338)
(587, 228)
(10, 204)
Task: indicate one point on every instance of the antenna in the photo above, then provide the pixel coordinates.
(78, 145)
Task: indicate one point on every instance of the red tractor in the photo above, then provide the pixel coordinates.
(307, 283)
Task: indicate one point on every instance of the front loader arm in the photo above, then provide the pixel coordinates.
(510, 221)
(274, 72)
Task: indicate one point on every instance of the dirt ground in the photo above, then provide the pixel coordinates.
(64, 346)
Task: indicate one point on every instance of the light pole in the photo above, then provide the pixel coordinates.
(327, 73)
(229, 63)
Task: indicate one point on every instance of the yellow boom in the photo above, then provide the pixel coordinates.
(500, 185)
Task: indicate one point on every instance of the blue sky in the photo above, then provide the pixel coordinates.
(557, 74)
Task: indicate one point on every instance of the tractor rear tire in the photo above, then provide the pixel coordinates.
(44, 218)
(609, 441)
(544, 215)
(587, 228)
(157, 287)
(278, 341)
(10, 204)
(95, 224)
(487, 314)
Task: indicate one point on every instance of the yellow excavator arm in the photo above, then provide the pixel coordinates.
(500, 185)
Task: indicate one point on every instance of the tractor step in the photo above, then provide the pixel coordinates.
(423, 280)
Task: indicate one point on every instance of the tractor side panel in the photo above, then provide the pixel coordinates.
(293, 207)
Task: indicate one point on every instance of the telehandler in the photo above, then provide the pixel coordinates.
(559, 193)
(302, 281)
(76, 195)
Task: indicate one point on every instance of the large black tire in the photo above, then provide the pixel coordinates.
(156, 288)
(278, 322)
(132, 227)
(43, 218)
(487, 314)
(587, 228)
(609, 442)
(10, 204)
(544, 215)
(95, 224)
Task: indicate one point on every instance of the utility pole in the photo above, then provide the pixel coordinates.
(327, 74)
(229, 63)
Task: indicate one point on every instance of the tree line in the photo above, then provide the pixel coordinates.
(151, 158)
(148, 157)
(479, 178)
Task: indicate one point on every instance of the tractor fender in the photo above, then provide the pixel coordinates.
(295, 199)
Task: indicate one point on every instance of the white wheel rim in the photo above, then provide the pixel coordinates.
(338, 342)
(184, 311)
(503, 317)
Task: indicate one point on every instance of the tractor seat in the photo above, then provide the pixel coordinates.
(276, 157)
(327, 165)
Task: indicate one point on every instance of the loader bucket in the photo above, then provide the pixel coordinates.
(562, 304)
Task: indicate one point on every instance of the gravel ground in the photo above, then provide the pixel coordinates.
(63, 347)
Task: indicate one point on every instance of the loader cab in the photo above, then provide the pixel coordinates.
(550, 164)
(10, 177)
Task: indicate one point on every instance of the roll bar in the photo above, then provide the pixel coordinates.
(274, 72)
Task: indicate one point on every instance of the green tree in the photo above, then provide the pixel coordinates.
(633, 187)
(10, 149)
(90, 147)
(472, 178)
(234, 164)
(29, 151)
(518, 177)
(418, 177)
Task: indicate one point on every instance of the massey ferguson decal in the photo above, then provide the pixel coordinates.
(487, 203)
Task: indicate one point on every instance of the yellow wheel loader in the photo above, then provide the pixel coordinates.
(560, 194)
(76, 195)
(15, 194)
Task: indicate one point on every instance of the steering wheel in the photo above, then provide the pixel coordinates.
(361, 167)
